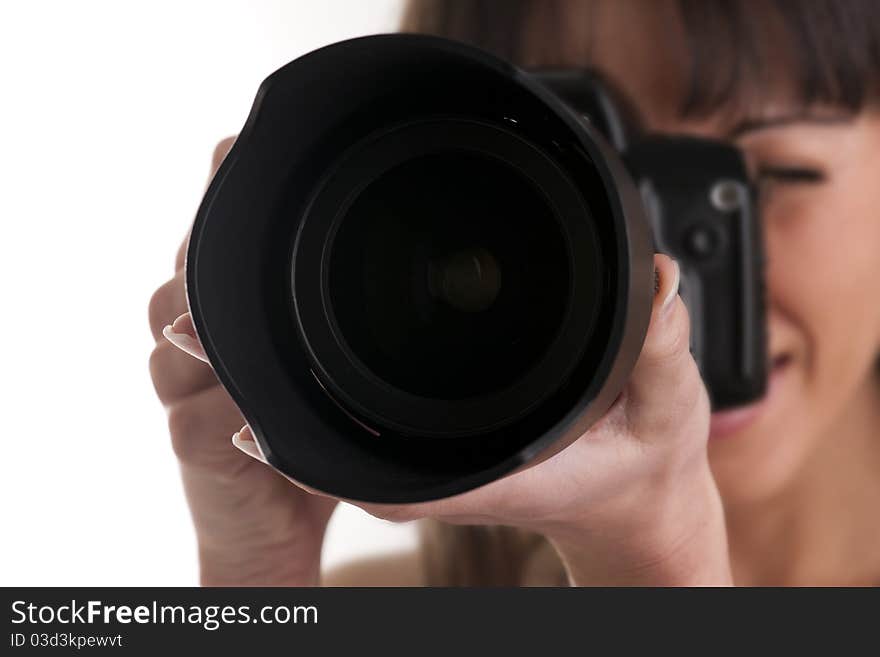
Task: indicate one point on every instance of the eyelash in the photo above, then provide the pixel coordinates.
(789, 175)
(768, 180)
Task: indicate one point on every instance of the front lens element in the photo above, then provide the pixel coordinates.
(449, 276)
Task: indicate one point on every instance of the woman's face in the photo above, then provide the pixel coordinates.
(819, 173)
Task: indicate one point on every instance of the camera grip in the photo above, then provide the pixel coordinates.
(703, 214)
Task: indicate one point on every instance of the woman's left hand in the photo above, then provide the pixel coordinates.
(632, 500)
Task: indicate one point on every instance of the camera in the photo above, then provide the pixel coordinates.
(420, 268)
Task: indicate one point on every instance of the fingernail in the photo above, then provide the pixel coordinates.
(176, 324)
(182, 341)
(673, 290)
(249, 447)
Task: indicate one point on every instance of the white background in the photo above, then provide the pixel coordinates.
(109, 112)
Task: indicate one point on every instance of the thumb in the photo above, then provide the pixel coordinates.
(182, 334)
(665, 391)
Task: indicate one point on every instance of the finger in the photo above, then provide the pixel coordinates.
(200, 427)
(180, 259)
(167, 302)
(244, 440)
(182, 334)
(177, 375)
(665, 384)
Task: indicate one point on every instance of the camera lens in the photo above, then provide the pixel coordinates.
(417, 270)
(468, 280)
(435, 277)
(449, 276)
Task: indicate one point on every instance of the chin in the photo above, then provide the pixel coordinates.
(758, 464)
(756, 451)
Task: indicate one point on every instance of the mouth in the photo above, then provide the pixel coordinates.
(779, 361)
(729, 422)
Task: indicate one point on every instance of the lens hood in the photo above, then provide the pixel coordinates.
(417, 270)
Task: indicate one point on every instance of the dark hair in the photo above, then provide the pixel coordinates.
(828, 50)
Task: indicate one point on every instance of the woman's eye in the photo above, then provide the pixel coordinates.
(768, 179)
(786, 174)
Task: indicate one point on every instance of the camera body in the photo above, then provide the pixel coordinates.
(420, 268)
(701, 208)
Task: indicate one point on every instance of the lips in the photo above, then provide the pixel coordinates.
(779, 361)
(727, 423)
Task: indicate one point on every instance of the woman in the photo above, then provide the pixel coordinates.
(660, 492)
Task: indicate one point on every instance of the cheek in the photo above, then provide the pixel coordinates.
(824, 289)
(823, 275)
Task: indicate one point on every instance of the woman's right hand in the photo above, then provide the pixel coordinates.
(252, 526)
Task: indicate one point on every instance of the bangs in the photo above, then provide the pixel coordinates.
(742, 53)
(818, 52)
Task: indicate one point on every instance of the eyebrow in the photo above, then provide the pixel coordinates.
(753, 125)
